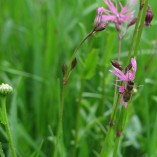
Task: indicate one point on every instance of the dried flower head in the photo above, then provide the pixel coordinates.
(5, 89)
(149, 16)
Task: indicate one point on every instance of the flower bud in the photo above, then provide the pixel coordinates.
(149, 16)
(73, 64)
(118, 133)
(5, 89)
(64, 69)
(132, 22)
(99, 23)
(117, 65)
(128, 67)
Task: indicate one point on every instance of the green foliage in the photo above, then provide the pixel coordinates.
(90, 65)
(36, 38)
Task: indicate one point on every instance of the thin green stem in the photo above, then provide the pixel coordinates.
(6, 123)
(141, 27)
(116, 147)
(80, 44)
(77, 119)
(105, 149)
(115, 104)
(134, 35)
(69, 70)
(119, 130)
(60, 121)
(119, 46)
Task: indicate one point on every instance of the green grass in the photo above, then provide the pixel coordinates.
(36, 38)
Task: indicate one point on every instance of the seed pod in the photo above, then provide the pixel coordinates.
(116, 65)
(73, 64)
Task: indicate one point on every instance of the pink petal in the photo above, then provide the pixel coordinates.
(134, 65)
(133, 1)
(121, 89)
(125, 104)
(100, 10)
(132, 76)
(111, 6)
(123, 9)
(120, 74)
(111, 18)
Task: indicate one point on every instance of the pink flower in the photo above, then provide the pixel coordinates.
(99, 22)
(129, 75)
(112, 14)
(128, 79)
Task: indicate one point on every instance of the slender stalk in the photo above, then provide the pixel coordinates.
(60, 121)
(105, 148)
(116, 147)
(115, 104)
(137, 32)
(6, 123)
(77, 119)
(119, 130)
(80, 44)
(141, 27)
(115, 92)
(119, 47)
(120, 126)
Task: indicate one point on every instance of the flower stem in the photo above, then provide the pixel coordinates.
(119, 129)
(77, 119)
(105, 148)
(60, 121)
(6, 123)
(138, 30)
(80, 44)
(141, 27)
(134, 36)
(116, 147)
(119, 46)
(115, 105)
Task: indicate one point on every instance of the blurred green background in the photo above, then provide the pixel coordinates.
(36, 38)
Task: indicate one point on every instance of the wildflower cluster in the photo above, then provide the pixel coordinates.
(126, 78)
(124, 16)
(113, 15)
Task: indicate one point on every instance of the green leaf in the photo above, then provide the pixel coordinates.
(1, 151)
(90, 64)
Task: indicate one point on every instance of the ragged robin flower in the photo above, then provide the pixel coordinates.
(100, 23)
(125, 15)
(128, 80)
